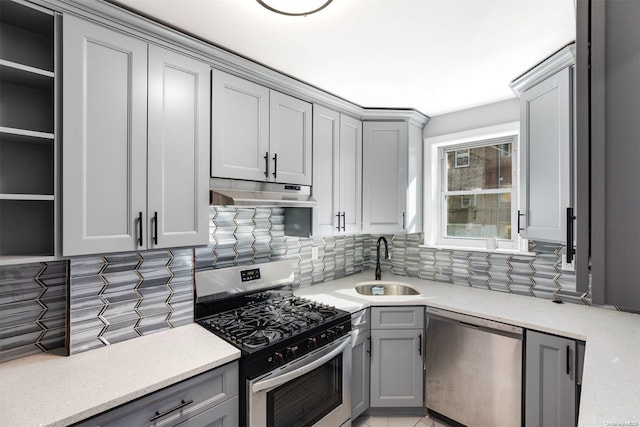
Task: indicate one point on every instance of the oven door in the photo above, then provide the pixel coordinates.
(314, 390)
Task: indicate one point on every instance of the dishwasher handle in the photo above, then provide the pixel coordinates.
(475, 322)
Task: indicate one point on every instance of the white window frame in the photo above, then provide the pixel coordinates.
(434, 211)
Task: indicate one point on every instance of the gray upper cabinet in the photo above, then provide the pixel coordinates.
(178, 149)
(550, 380)
(545, 158)
(240, 128)
(392, 177)
(609, 95)
(126, 188)
(290, 139)
(337, 176)
(259, 134)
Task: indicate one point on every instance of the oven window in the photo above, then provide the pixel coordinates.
(307, 399)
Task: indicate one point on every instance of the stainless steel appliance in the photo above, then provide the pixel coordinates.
(473, 370)
(295, 367)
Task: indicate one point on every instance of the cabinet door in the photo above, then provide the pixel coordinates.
(240, 128)
(384, 176)
(178, 150)
(326, 140)
(396, 368)
(104, 171)
(350, 172)
(549, 381)
(290, 139)
(360, 373)
(545, 164)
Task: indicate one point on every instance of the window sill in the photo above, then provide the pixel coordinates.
(478, 249)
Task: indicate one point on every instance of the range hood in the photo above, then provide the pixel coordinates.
(259, 194)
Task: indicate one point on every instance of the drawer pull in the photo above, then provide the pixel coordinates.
(180, 406)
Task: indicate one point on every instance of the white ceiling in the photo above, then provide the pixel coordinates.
(436, 56)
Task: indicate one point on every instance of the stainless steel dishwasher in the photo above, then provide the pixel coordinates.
(473, 369)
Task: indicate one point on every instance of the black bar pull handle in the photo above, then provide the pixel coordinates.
(155, 228)
(570, 251)
(403, 219)
(568, 359)
(139, 228)
(275, 166)
(344, 222)
(338, 227)
(520, 228)
(181, 405)
(266, 161)
(370, 345)
(420, 344)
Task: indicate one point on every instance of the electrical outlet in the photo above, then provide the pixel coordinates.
(568, 266)
(314, 253)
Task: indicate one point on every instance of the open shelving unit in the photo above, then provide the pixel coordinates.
(28, 154)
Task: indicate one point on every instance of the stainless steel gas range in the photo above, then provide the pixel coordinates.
(295, 365)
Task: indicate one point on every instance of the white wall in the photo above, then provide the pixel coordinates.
(473, 118)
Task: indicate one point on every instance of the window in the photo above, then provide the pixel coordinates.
(473, 188)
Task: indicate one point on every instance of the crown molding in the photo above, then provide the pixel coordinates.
(115, 16)
(563, 58)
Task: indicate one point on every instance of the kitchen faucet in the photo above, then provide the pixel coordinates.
(386, 256)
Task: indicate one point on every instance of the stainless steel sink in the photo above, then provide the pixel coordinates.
(382, 288)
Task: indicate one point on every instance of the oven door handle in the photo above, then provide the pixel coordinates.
(284, 378)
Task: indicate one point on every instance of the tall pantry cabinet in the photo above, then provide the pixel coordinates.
(28, 133)
(608, 56)
(136, 137)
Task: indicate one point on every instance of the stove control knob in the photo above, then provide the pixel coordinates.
(331, 333)
(278, 359)
(291, 352)
(312, 344)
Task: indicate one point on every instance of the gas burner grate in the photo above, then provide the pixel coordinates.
(265, 322)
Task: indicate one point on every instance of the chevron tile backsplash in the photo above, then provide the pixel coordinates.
(33, 308)
(538, 275)
(117, 297)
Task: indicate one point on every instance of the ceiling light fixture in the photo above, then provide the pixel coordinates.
(295, 7)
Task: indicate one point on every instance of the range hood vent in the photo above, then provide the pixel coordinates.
(259, 194)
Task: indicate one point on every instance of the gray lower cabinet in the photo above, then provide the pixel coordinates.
(397, 363)
(360, 363)
(553, 367)
(208, 399)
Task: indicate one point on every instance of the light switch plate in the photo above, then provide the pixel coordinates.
(566, 266)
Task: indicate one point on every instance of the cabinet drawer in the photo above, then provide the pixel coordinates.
(178, 402)
(397, 317)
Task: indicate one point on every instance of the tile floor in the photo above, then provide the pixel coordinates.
(396, 421)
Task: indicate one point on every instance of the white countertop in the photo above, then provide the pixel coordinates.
(52, 390)
(611, 377)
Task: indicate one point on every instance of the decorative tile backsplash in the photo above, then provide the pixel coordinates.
(117, 297)
(114, 298)
(33, 308)
(254, 235)
(536, 275)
